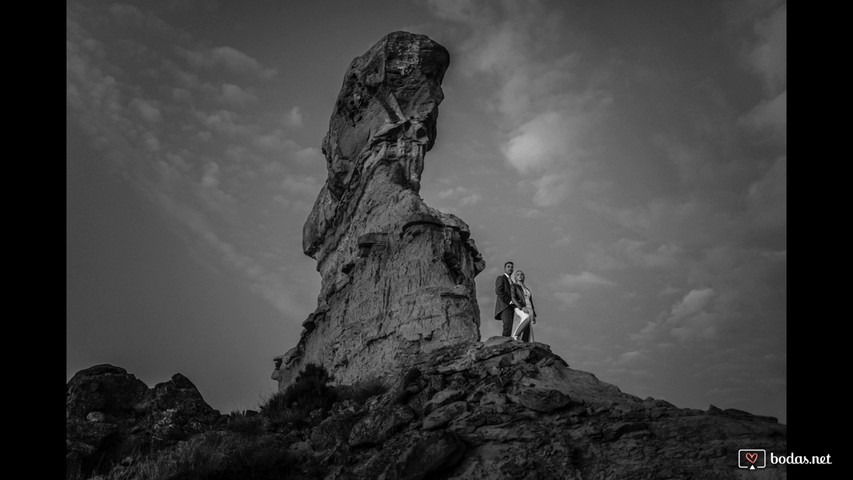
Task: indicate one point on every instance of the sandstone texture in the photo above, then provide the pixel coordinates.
(397, 276)
(110, 415)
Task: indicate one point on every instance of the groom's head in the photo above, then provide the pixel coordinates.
(508, 268)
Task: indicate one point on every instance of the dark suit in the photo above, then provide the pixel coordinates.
(503, 304)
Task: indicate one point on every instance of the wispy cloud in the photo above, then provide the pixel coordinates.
(449, 198)
(188, 136)
(768, 56)
(768, 121)
(583, 280)
(225, 57)
(236, 97)
(293, 118)
(626, 252)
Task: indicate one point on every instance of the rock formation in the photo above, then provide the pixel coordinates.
(111, 415)
(397, 276)
(498, 409)
(503, 409)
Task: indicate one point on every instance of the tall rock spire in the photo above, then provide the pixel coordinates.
(397, 276)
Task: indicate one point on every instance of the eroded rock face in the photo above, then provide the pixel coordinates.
(397, 276)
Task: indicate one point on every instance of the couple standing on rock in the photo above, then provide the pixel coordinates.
(514, 299)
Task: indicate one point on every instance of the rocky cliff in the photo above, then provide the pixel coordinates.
(397, 277)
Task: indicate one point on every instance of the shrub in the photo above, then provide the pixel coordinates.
(310, 391)
(241, 422)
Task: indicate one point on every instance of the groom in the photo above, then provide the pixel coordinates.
(504, 309)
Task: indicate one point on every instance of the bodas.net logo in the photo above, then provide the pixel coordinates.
(751, 458)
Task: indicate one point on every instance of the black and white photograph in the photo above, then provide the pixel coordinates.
(427, 239)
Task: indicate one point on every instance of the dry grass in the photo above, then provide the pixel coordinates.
(213, 455)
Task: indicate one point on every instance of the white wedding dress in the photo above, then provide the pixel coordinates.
(524, 318)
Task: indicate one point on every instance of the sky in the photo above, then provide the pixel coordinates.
(629, 157)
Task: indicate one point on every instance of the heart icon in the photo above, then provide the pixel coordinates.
(751, 457)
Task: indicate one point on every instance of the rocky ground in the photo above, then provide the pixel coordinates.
(491, 410)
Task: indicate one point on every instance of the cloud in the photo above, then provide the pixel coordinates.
(543, 142)
(563, 240)
(601, 258)
(128, 15)
(706, 158)
(666, 256)
(691, 304)
(234, 96)
(689, 319)
(582, 281)
(631, 358)
(275, 141)
(541, 104)
(461, 196)
(501, 33)
(769, 119)
(229, 58)
(293, 118)
(624, 253)
(567, 299)
(226, 122)
(310, 156)
(146, 110)
(767, 198)
(657, 220)
(470, 199)
(305, 186)
(702, 326)
(181, 95)
(210, 179)
(768, 57)
(669, 290)
(551, 189)
(181, 139)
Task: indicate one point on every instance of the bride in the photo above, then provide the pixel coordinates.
(522, 297)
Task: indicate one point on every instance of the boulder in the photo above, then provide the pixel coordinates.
(542, 399)
(110, 414)
(102, 388)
